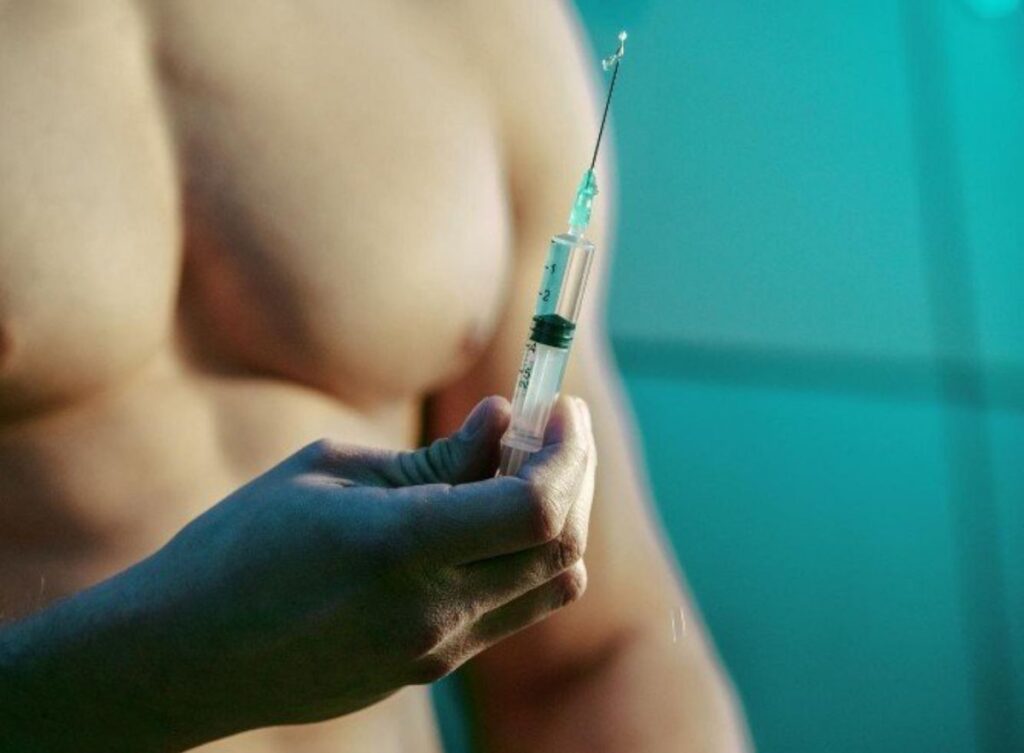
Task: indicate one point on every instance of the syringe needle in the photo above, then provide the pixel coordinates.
(558, 307)
(609, 62)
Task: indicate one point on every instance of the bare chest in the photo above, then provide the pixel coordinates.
(309, 195)
(311, 191)
(345, 212)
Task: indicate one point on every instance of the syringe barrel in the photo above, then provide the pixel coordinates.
(540, 379)
(565, 276)
(547, 351)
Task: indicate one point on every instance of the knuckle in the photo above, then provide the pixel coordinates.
(545, 522)
(432, 646)
(442, 458)
(569, 550)
(576, 458)
(410, 467)
(323, 452)
(572, 584)
(426, 638)
(429, 465)
(433, 667)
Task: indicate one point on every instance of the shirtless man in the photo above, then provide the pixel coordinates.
(229, 228)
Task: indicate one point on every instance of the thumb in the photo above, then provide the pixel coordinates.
(470, 454)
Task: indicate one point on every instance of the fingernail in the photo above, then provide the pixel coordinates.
(475, 421)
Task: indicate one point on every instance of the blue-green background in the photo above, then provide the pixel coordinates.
(817, 307)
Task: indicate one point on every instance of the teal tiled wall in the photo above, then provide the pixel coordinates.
(813, 529)
(817, 307)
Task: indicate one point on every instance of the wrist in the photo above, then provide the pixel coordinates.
(80, 676)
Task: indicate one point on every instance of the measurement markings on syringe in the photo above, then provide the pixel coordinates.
(526, 370)
(555, 316)
(549, 271)
(552, 279)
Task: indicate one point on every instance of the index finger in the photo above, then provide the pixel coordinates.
(483, 519)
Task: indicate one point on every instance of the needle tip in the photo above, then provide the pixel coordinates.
(613, 59)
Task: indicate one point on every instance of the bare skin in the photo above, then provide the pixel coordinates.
(228, 229)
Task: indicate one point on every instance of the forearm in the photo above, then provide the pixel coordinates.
(612, 672)
(85, 675)
(645, 693)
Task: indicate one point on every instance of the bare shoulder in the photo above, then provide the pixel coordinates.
(544, 87)
(548, 88)
(536, 52)
(540, 39)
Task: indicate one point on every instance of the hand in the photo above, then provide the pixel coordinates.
(344, 574)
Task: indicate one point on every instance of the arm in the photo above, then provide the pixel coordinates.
(79, 676)
(605, 674)
(317, 589)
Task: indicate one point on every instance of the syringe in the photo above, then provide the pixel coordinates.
(558, 307)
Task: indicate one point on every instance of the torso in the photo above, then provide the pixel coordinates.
(227, 229)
